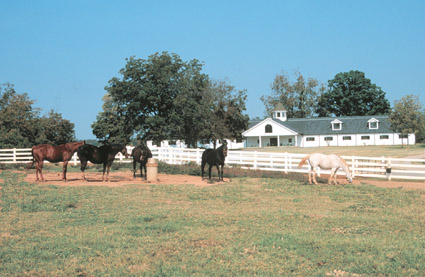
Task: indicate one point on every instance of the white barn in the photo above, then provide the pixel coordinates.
(323, 131)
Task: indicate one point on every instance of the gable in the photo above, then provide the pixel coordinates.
(277, 129)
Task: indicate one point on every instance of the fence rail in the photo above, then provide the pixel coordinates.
(374, 167)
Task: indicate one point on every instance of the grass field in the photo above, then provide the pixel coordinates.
(395, 151)
(249, 226)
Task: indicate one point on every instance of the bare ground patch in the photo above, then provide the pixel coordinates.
(121, 178)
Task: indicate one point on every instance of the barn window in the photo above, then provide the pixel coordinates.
(373, 123)
(329, 138)
(336, 125)
(403, 136)
(269, 128)
(384, 137)
(365, 137)
(309, 139)
(346, 138)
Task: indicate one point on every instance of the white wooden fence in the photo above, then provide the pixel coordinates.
(374, 167)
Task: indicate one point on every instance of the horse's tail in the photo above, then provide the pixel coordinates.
(303, 161)
(31, 164)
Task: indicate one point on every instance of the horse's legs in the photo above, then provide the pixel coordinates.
(83, 167)
(220, 174)
(134, 169)
(335, 182)
(218, 171)
(330, 178)
(209, 171)
(36, 171)
(310, 173)
(202, 168)
(64, 169)
(314, 175)
(39, 168)
(146, 172)
(222, 168)
(108, 167)
(103, 175)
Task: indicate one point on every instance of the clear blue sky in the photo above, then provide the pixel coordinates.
(63, 53)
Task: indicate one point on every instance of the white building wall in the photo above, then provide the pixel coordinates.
(342, 141)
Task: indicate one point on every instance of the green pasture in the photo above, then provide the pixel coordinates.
(395, 151)
(248, 226)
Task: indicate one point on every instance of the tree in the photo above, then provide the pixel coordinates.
(408, 116)
(225, 112)
(352, 94)
(21, 125)
(53, 129)
(110, 126)
(18, 119)
(161, 98)
(155, 99)
(299, 98)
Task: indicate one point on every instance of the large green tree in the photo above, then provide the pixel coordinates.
(352, 94)
(408, 116)
(22, 126)
(160, 98)
(110, 125)
(299, 98)
(226, 117)
(54, 129)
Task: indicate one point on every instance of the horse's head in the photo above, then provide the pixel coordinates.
(346, 168)
(124, 151)
(349, 177)
(143, 154)
(225, 149)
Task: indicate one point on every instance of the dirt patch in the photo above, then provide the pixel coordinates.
(122, 178)
(391, 184)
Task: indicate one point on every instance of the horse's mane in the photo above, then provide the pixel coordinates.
(344, 162)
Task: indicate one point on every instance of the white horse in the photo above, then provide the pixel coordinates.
(332, 162)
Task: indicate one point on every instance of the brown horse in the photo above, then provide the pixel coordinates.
(54, 154)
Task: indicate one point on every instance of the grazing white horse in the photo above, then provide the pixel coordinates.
(332, 162)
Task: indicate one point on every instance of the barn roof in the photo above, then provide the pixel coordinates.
(323, 125)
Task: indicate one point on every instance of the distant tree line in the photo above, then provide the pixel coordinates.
(347, 94)
(166, 98)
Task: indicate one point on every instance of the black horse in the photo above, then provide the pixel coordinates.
(141, 154)
(214, 157)
(100, 155)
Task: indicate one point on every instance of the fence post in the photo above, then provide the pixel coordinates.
(14, 155)
(255, 159)
(271, 161)
(388, 169)
(353, 167)
(286, 162)
(198, 156)
(170, 157)
(74, 159)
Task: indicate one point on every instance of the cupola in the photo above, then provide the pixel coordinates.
(279, 112)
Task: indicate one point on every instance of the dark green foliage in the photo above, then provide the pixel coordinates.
(408, 117)
(21, 125)
(166, 98)
(352, 94)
